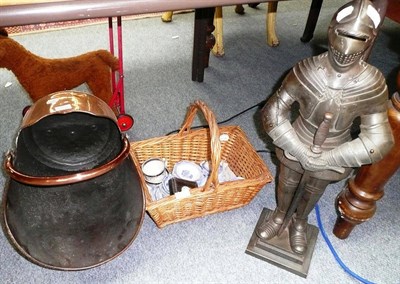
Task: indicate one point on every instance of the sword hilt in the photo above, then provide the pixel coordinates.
(322, 133)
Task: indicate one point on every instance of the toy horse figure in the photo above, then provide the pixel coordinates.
(41, 76)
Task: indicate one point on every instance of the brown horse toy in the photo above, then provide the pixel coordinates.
(41, 76)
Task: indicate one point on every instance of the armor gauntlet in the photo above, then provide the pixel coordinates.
(276, 123)
(373, 143)
(286, 138)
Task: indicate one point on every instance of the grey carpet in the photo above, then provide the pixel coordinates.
(158, 89)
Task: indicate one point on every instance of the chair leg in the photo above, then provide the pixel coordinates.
(218, 49)
(166, 17)
(203, 41)
(312, 19)
(253, 5)
(272, 38)
(239, 9)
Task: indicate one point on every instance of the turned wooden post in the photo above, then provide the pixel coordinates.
(357, 202)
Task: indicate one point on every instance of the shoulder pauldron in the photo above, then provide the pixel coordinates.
(366, 94)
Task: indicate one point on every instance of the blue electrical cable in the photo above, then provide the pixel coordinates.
(346, 269)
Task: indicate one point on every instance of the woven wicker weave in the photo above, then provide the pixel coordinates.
(198, 146)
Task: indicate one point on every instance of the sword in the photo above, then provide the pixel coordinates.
(319, 139)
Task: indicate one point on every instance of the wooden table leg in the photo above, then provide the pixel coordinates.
(311, 20)
(218, 48)
(203, 41)
(272, 38)
(166, 17)
(357, 202)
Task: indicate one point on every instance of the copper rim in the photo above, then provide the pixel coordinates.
(67, 179)
(64, 102)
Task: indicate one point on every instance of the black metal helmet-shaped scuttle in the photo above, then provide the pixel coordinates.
(73, 200)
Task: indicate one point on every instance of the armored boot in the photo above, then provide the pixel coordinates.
(298, 233)
(298, 228)
(269, 228)
(287, 184)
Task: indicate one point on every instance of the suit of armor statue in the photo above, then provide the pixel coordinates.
(338, 82)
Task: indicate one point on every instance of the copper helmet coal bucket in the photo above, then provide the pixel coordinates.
(73, 200)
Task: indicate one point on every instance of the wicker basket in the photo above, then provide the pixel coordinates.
(228, 143)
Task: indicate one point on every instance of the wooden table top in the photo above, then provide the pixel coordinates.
(42, 11)
(21, 2)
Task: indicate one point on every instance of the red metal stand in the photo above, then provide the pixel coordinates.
(125, 121)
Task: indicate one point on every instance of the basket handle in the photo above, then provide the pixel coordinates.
(214, 138)
(66, 179)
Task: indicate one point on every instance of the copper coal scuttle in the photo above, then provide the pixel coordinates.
(73, 200)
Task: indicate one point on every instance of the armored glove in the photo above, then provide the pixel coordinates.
(373, 143)
(285, 137)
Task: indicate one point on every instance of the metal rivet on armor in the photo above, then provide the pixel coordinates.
(271, 125)
(371, 151)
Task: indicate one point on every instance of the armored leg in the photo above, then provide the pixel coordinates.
(297, 230)
(287, 185)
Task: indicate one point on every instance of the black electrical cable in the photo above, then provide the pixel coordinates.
(266, 151)
(260, 104)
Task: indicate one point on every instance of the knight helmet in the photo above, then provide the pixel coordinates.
(353, 30)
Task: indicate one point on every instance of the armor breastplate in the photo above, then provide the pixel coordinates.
(365, 93)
